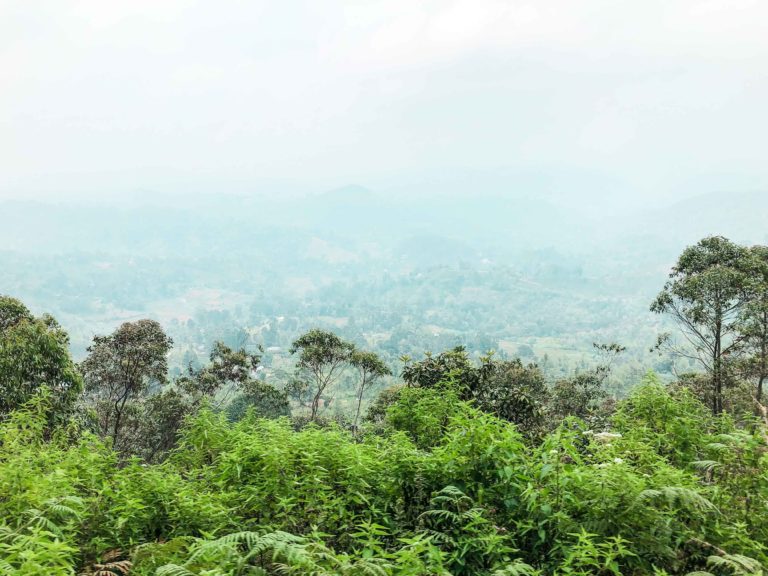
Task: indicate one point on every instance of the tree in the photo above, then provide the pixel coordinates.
(506, 388)
(228, 371)
(579, 395)
(370, 369)
(425, 413)
(121, 368)
(433, 370)
(232, 371)
(264, 400)
(322, 358)
(754, 324)
(514, 392)
(34, 353)
(12, 312)
(161, 415)
(706, 295)
(159, 418)
(584, 395)
(738, 399)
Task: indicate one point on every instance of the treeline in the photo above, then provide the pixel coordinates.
(122, 393)
(109, 467)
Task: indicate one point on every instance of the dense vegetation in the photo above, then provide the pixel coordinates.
(464, 466)
(508, 268)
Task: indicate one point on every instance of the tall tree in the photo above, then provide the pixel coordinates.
(755, 317)
(233, 371)
(370, 368)
(34, 352)
(706, 295)
(121, 367)
(322, 359)
(229, 370)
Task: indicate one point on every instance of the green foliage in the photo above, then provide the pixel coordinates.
(754, 319)
(125, 372)
(13, 312)
(424, 413)
(434, 370)
(119, 370)
(228, 370)
(515, 392)
(472, 541)
(707, 294)
(263, 400)
(673, 424)
(506, 388)
(34, 353)
(581, 395)
(323, 356)
(370, 368)
(590, 558)
(258, 497)
(459, 476)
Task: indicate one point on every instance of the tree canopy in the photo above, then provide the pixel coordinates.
(34, 353)
(706, 295)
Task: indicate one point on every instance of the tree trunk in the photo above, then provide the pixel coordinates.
(763, 358)
(316, 403)
(717, 376)
(359, 403)
(313, 410)
(119, 407)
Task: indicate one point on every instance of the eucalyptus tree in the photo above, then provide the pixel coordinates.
(120, 369)
(323, 356)
(370, 369)
(228, 371)
(229, 382)
(706, 295)
(754, 324)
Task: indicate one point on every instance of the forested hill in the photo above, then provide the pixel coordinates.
(402, 273)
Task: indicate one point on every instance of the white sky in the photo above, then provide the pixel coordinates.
(660, 96)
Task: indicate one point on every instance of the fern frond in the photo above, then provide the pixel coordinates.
(369, 568)
(173, 570)
(705, 466)
(737, 564)
(678, 497)
(118, 568)
(517, 568)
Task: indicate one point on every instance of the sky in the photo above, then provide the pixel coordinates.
(640, 99)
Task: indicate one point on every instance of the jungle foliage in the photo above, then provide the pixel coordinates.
(442, 488)
(465, 466)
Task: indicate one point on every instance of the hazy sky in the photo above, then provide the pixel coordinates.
(654, 96)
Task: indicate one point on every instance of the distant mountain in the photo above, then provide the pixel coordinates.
(361, 221)
(344, 196)
(742, 217)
